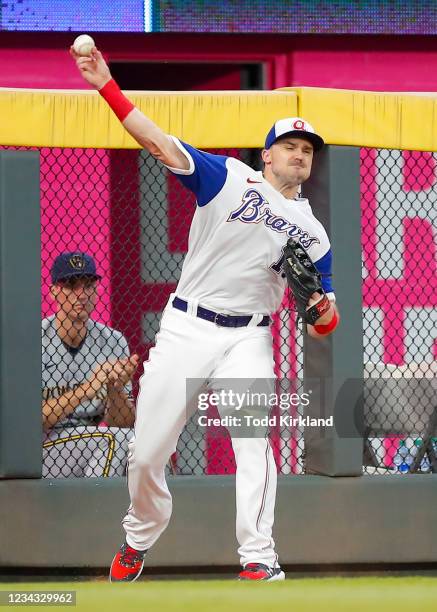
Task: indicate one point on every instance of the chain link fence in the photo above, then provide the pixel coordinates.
(133, 217)
(399, 225)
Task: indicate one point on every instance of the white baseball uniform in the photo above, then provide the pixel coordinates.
(75, 446)
(233, 266)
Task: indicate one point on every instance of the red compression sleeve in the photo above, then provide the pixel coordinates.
(325, 329)
(116, 99)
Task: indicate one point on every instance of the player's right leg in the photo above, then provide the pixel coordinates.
(185, 349)
(248, 366)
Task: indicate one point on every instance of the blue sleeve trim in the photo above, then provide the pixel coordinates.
(209, 174)
(324, 266)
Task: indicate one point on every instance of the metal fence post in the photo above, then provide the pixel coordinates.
(20, 316)
(333, 367)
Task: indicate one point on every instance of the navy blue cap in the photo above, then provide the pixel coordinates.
(70, 265)
(297, 127)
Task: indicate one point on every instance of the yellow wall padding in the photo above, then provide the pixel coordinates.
(369, 119)
(82, 119)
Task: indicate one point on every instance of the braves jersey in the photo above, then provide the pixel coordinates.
(63, 370)
(239, 229)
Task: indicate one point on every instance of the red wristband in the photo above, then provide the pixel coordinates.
(325, 329)
(116, 99)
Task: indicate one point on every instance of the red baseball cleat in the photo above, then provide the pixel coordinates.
(127, 564)
(259, 571)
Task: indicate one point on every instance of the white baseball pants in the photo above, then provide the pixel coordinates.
(188, 347)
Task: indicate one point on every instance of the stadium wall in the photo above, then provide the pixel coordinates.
(319, 520)
(391, 516)
(378, 63)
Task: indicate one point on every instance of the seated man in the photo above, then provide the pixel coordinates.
(86, 373)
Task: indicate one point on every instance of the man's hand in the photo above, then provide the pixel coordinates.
(325, 319)
(98, 378)
(119, 409)
(327, 316)
(123, 371)
(113, 373)
(315, 297)
(94, 69)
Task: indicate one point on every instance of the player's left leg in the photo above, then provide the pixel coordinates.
(250, 359)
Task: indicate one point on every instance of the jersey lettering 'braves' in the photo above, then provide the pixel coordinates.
(254, 209)
(233, 264)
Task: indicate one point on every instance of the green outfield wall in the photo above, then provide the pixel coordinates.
(319, 520)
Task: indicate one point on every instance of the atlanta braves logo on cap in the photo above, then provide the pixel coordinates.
(297, 127)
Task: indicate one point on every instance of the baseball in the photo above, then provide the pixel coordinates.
(83, 44)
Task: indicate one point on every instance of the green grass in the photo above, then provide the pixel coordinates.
(368, 594)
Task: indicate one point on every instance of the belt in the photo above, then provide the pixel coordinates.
(220, 319)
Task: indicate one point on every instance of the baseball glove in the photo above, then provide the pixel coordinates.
(304, 279)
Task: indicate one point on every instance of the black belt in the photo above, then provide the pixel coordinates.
(220, 319)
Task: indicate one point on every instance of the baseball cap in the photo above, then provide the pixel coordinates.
(294, 126)
(69, 265)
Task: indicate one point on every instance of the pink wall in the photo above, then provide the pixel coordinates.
(75, 216)
(361, 62)
(368, 69)
(42, 69)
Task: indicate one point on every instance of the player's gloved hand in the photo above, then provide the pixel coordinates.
(305, 283)
(94, 69)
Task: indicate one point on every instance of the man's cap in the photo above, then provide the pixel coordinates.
(70, 265)
(297, 127)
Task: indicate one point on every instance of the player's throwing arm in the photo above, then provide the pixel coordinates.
(96, 72)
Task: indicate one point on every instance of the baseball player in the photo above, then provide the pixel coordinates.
(216, 324)
(86, 369)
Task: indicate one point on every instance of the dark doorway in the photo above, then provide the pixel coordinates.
(188, 76)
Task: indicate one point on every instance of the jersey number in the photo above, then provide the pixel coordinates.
(276, 266)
